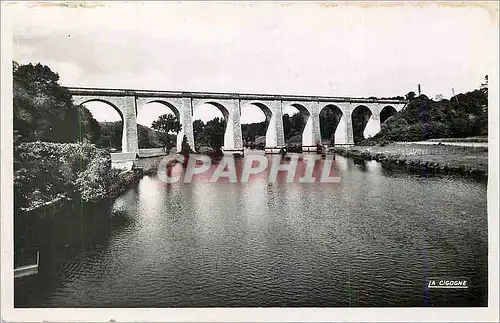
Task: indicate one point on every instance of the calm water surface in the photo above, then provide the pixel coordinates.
(369, 241)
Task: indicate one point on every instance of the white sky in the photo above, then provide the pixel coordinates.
(300, 48)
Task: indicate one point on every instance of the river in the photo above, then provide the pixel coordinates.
(370, 240)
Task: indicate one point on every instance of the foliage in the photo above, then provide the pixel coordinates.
(214, 131)
(43, 110)
(98, 179)
(165, 124)
(410, 96)
(328, 122)
(293, 126)
(185, 148)
(250, 132)
(210, 134)
(360, 117)
(89, 128)
(42, 170)
(198, 128)
(111, 136)
(463, 115)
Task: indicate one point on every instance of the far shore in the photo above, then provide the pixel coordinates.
(434, 158)
(465, 156)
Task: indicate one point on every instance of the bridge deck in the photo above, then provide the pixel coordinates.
(220, 95)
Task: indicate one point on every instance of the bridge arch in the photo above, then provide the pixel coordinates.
(387, 112)
(360, 117)
(149, 110)
(250, 133)
(165, 103)
(203, 117)
(297, 124)
(332, 125)
(83, 101)
(221, 107)
(264, 108)
(113, 134)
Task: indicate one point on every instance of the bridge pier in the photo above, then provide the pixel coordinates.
(186, 120)
(341, 132)
(232, 137)
(344, 132)
(275, 139)
(130, 141)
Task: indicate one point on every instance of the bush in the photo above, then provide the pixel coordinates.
(43, 170)
(185, 148)
(424, 119)
(97, 180)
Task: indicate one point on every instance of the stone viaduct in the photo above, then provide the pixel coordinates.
(127, 102)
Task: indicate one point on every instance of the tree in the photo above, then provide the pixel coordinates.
(484, 85)
(165, 124)
(298, 121)
(287, 125)
(144, 141)
(214, 132)
(89, 128)
(328, 121)
(44, 110)
(251, 131)
(360, 117)
(111, 135)
(198, 127)
(186, 149)
(410, 95)
(463, 115)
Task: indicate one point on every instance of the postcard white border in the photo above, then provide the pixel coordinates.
(8, 313)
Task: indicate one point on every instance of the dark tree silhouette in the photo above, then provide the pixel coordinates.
(410, 95)
(43, 110)
(165, 124)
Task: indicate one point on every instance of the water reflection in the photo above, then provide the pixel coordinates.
(366, 241)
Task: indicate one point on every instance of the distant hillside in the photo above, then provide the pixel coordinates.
(464, 115)
(251, 131)
(111, 136)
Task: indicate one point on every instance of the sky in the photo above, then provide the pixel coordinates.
(294, 48)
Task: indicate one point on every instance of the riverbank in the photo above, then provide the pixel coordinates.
(151, 152)
(477, 139)
(124, 182)
(433, 158)
(46, 173)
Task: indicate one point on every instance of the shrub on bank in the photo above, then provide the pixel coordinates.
(44, 170)
(422, 119)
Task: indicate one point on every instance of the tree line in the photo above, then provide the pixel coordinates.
(463, 115)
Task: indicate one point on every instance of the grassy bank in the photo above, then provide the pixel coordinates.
(434, 158)
(474, 139)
